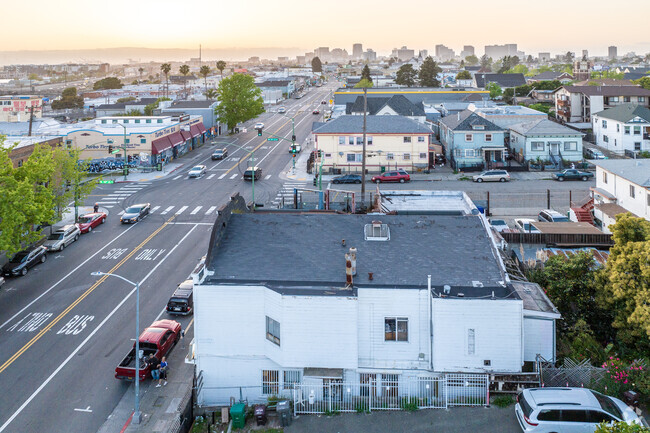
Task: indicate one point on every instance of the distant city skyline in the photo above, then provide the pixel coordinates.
(283, 25)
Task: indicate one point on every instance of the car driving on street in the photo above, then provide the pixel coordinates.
(253, 173)
(135, 213)
(197, 171)
(25, 260)
(219, 154)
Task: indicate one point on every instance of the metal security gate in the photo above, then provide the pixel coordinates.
(390, 392)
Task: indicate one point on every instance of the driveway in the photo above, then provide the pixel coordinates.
(454, 420)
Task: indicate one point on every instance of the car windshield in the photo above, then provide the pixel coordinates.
(55, 236)
(608, 405)
(196, 169)
(85, 219)
(133, 209)
(218, 152)
(498, 223)
(561, 219)
(19, 258)
(527, 226)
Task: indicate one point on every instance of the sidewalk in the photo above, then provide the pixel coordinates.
(162, 408)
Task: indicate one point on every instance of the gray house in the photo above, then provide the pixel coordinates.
(202, 108)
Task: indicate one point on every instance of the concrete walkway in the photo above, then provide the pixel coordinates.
(137, 176)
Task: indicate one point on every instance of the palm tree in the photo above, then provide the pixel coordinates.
(205, 71)
(165, 68)
(141, 71)
(211, 94)
(221, 65)
(185, 70)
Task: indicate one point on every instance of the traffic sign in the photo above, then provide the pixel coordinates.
(116, 150)
(106, 181)
(272, 139)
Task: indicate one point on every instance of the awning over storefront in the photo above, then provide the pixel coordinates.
(194, 129)
(186, 135)
(176, 138)
(160, 145)
(201, 128)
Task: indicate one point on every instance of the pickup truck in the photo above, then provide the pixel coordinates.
(572, 174)
(159, 338)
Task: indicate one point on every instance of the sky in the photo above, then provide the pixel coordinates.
(305, 25)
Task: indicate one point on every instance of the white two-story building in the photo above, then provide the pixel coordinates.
(623, 128)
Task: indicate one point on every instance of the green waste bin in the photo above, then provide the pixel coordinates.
(238, 415)
(383, 168)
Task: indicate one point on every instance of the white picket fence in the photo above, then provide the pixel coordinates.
(325, 395)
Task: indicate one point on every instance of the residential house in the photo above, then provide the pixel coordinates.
(622, 129)
(622, 185)
(396, 105)
(543, 96)
(578, 103)
(563, 77)
(545, 140)
(505, 81)
(417, 95)
(472, 142)
(506, 115)
(290, 314)
(392, 142)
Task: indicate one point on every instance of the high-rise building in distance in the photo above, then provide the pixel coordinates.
(544, 57)
(357, 51)
(369, 55)
(612, 52)
(443, 53)
(468, 50)
(403, 53)
(500, 51)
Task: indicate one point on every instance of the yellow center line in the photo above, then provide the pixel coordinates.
(81, 298)
(189, 325)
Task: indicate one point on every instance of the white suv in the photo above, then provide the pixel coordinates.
(569, 410)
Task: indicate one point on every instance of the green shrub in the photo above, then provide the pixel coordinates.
(410, 404)
(503, 401)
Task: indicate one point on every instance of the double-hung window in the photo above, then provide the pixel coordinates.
(272, 330)
(537, 146)
(368, 140)
(360, 141)
(570, 145)
(396, 329)
(407, 156)
(469, 137)
(354, 157)
(407, 139)
(341, 140)
(421, 139)
(351, 141)
(488, 138)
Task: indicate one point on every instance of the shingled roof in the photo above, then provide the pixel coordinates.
(374, 125)
(626, 112)
(398, 103)
(466, 120)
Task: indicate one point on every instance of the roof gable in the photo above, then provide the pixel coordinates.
(374, 125)
(467, 120)
(626, 112)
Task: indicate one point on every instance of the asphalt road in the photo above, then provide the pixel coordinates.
(64, 331)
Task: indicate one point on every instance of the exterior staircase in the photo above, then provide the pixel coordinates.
(584, 213)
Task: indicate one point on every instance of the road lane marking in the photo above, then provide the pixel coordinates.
(181, 210)
(178, 177)
(223, 175)
(167, 210)
(212, 175)
(106, 202)
(234, 175)
(268, 176)
(62, 279)
(92, 288)
(155, 208)
(196, 209)
(84, 410)
(92, 334)
(209, 211)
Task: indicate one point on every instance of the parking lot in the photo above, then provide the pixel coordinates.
(457, 419)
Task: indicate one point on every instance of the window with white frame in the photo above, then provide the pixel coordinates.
(637, 130)
(328, 155)
(604, 177)
(291, 378)
(351, 141)
(458, 152)
(570, 145)
(270, 382)
(390, 156)
(613, 99)
(537, 145)
(407, 139)
(471, 341)
(641, 99)
(632, 192)
(618, 127)
(604, 124)
(605, 139)
(272, 330)
(423, 155)
(469, 137)
(421, 139)
(470, 153)
(488, 137)
(341, 140)
(360, 141)
(368, 140)
(637, 146)
(627, 130)
(396, 329)
(354, 157)
(407, 156)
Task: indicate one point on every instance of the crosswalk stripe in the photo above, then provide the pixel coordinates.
(268, 176)
(223, 175)
(181, 210)
(167, 210)
(209, 211)
(196, 209)
(121, 212)
(178, 177)
(106, 202)
(109, 207)
(234, 175)
(155, 209)
(212, 175)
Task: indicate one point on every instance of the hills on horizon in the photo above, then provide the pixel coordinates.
(122, 55)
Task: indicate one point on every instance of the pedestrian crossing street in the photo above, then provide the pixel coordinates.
(285, 197)
(116, 197)
(178, 210)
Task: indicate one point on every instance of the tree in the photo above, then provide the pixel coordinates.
(364, 83)
(471, 60)
(240, 100)
(540, 107)
(141, 71)
(126, 99)
(67, 183)
(108, 83)
(626, 281)
(148, 109)
(486, 62)
(365, 73)
(643, 82)
(165, 68)
(221, 65)
(184, 70)
(620, 427)
(211, 94)
(316, 65)
(27, 201)
(205, 71)
(568, 57)
(464, 75)
(428, 73)
(494, 89)
(69, 99)
(530, 59)
(507, 63)
(518, 69)
(406, 75)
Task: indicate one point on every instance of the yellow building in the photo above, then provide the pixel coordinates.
(393, 142)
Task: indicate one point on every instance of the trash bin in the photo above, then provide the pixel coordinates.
(284, 412)
(236, 130)
(238, 415)
(260, 414)
(382, 169)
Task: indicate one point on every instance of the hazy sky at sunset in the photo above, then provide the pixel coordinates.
(379, 24)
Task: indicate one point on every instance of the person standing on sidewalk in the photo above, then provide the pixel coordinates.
(163, 371)
(155, 365)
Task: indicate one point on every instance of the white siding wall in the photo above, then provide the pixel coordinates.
(498, 331)
(539, 338)
(620, 188)
(375, 305)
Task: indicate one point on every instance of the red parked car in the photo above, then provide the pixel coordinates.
(91, 220)
(400, 176)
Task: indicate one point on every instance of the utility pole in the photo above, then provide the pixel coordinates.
(363, 151)
(31, 120)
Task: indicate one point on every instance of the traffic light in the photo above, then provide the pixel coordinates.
(259, 132)
(293, 138)
(110, 149)
(294, 155)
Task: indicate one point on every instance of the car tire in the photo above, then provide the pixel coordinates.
(23, 271)
(584, 178)
(103, 220)
(479, 180)
(560, 179)
(137, 219)
(402, 181)
(357, 181)
(43, 258)
(90, 229)
(335, 182)
(76, 238)
(378, 181)
(503, 179)
(62, 247)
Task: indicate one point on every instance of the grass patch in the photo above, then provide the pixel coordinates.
(503, 401)
(464, 178)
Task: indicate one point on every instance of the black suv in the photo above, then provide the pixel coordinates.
(24, 260)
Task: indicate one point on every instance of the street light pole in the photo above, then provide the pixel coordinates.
(137, 415)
